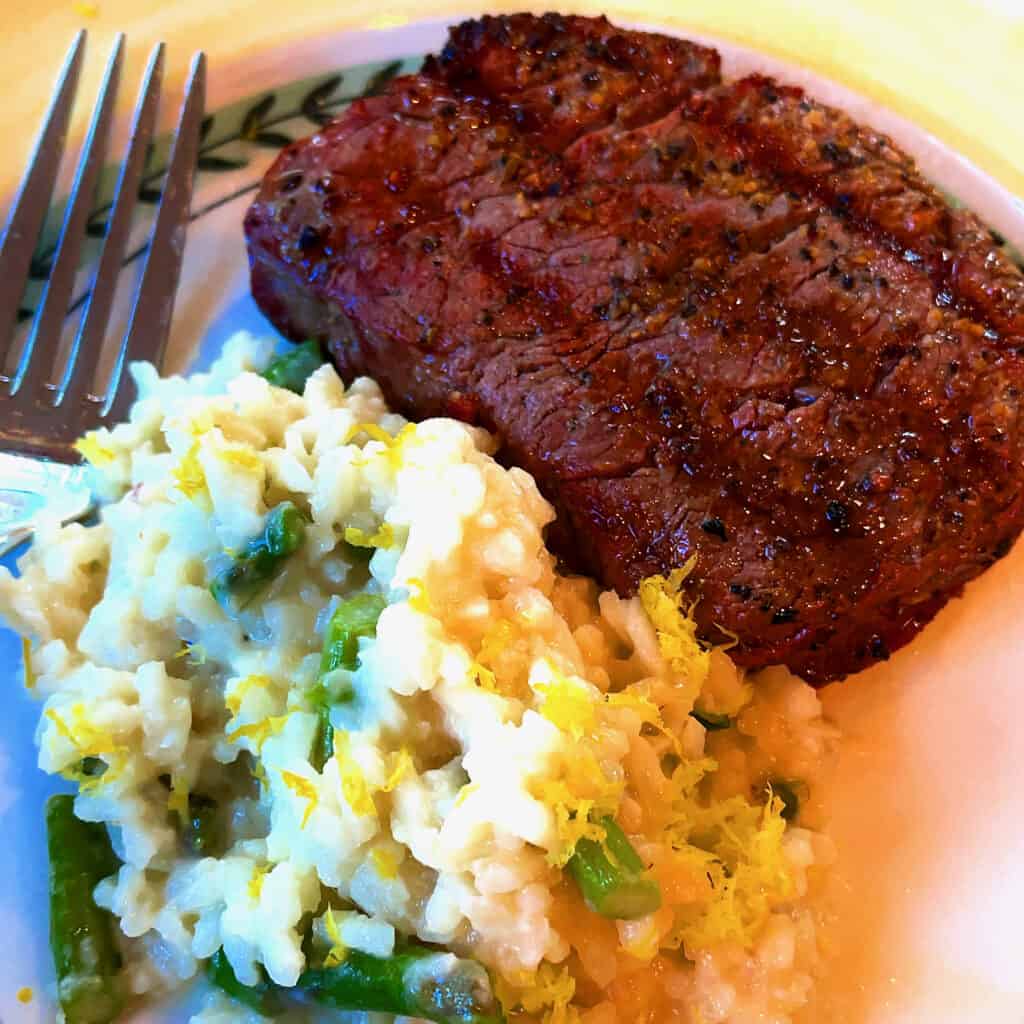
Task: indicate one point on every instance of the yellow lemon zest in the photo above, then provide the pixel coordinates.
(353, 783)
(649, 712)
(26, 662)
(188, 475)
(89, 739)
(201, 423)
(24, 994)
(304, 790)
(385, 863)
(93, 450)
(737, 846)
(495, 641)
(242, 456)
(579, 796)
(401, 768)
(466, 792)
(548, 991)
(483, 677)
(233, 700)
(177, 802)
(195, 653)
(566, 703)
(338, 952)
(675, 627)
(371, 430)
(258, 732)
(419, 600)
(256, 883)
(383, 537)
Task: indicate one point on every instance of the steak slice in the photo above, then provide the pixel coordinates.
(710, 318)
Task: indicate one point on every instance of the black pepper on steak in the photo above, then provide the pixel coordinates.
(668, 293)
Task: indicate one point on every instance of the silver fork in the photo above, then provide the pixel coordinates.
(44, 407)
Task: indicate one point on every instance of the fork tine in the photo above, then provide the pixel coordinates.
(88, 344)
(40, 352)
(151, 315)
(30, 205)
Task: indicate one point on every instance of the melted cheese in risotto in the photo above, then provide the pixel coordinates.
(406, 725)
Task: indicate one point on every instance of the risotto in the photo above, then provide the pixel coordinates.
(357, 742)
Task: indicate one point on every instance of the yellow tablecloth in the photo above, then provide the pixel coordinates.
(954, 66)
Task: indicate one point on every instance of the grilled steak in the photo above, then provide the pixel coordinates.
(710, 318)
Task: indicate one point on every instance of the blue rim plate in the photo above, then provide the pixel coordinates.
(926, 803)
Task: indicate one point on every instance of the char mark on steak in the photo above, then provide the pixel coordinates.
(710, 318)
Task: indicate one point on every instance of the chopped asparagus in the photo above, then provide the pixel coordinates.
(414, 982)
(293, 368)
(711, 721)
(283, 532)
(611, 876)
(323, 740)
(85, 951)
(263, 997)
(352, 619)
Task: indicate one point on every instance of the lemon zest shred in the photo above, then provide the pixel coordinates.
(675, 627)
(566, 703)
(233, 700)
(188, 475)
(383, 537)
(466, 792)
(194, 653)
(258, 732)
(734, 638)
(373, 431)
(177, 801)
(578, 797)
(24, 994)
(26, 663)
(304, 790)
(385, 863)
(737, 846)
(547, 991)
(419, 599)
(401, 768)
(483, 677)
(354, 787)
(243, 457)
(255, 887)
(338, 951)
(94, 451)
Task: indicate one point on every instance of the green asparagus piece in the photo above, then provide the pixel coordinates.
(283, 533)
(352, 619)
(291, 369)
(711, 721)
(85, 952)
(415, 982)
(263, 997)
(323, 740)
(611, 876)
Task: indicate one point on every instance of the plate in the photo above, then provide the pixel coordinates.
(927, 805)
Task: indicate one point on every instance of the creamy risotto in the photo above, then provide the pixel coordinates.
(317, 674)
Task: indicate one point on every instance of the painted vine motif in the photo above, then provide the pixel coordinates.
(237, 145)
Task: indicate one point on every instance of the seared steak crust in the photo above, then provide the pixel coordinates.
(711, 318)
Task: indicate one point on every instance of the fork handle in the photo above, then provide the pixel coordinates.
(27, 485)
